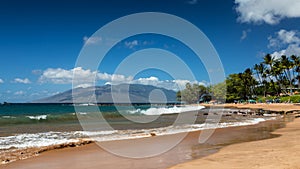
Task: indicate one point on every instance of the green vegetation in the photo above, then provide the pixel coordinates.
(272, 80)
(218, 91)
(192, 93)
(292, 99)
(240, 86)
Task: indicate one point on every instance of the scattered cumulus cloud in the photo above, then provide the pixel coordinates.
(87, 78)
(131, 44)
(285, 43)
(82, 77)
(245, 34)
(283, 37)
(167, 84)
(290, 50)
(63, 76)
(24, 81)
(36, 72)
(148, 81)
(134, 43)
(91, 40)
(266, 11)
(1, 81)
(19, 93)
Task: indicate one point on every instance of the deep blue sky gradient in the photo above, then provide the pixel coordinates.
(37, 35)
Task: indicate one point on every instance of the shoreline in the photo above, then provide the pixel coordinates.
(92, 156)
(278, 152)
(278, 107)
(190, 141)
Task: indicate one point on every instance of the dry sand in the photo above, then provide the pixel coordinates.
(273, 107)
(282, 152)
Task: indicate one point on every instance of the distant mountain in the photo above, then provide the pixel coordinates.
(122, 93)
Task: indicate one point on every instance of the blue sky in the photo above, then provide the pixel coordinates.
(41, 40)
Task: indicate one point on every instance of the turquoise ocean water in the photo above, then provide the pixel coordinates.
(38, 125)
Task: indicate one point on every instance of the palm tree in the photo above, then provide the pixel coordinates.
(261, 68)
(296, 64)
(286, 66)
(256, 68)
(269, 60)
(277, 72)
(262, 75)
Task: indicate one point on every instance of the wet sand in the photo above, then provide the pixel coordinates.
(280, 152)
(91, 156)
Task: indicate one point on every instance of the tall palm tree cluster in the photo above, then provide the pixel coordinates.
(278, 75)
(272, 77)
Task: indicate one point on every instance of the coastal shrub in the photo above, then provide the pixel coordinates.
(292, 99)
(265, 99)
(283, 99)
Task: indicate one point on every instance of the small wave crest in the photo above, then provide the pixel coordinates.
(39, 117)
(166, 110)
(8, 117)
(21, 141)
(27, 140)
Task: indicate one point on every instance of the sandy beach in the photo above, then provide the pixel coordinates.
(254, 146)
(91, 156)
(279, 152)
(285, 107)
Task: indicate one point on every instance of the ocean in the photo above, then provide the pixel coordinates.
(24, 126)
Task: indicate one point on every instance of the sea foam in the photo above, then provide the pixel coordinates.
(39, 117)
(166, 110)
(21, 141)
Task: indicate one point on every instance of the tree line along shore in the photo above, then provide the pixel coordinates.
(273, 80)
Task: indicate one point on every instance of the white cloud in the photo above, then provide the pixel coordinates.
(116, 78)
(24, 81)
(245, 34)
(167, 84)
(87, 78)
(91, 40)
(19, 93)
(268, 11)
(288, 36)
(131, 44)
(284, 37)
(1, 81)
(82, 77)
(285, 43)
(62, 76)
(36, 72)
(148, 81)
(84, 85)
(292, 49)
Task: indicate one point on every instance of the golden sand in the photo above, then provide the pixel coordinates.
(282, 152)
